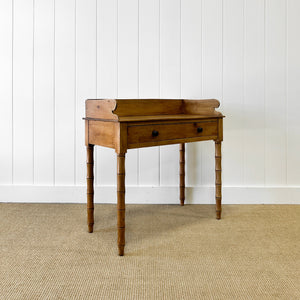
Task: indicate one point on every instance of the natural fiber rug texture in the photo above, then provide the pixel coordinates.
(171, 252)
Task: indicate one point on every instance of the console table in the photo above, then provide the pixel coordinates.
(124, 124)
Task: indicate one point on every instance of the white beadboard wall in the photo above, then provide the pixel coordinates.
(55, 54)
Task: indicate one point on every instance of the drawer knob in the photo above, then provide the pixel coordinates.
(155, 133)
(199, 129)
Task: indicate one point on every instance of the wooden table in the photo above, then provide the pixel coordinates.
(124, 124)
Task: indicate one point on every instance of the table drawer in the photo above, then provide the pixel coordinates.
(172, 131)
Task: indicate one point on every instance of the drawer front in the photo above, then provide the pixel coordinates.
(163, 132)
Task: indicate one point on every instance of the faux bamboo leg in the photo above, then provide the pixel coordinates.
(182, 172)
(90, 186)
(218, 168)
(121, 202)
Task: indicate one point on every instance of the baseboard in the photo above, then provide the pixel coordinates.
(151, 195)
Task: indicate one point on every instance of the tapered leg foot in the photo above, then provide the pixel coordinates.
(182, 173)
(121, 202)
(91, 228)
(121, 250)
(121, 232)
(90, 187)
(218, 168)
(121, 240)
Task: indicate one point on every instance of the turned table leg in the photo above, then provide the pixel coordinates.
(182, 172)
(90, 186)
(121, 202)
(218, 168)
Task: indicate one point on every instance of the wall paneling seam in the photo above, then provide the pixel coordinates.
(75, 87)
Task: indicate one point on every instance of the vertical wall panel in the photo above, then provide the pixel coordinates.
(23, 92)
(64, 92)
(211, 75)
(107, 48)
(128, 69)
(128, 49)
(170, 23)
(233, 93)
(106, 80)
(293, 92)
(170, 80)
(56, 54)
(6, 29)
(149, 49)
(191, 49)
(191, 76)
(275, 92)
(85, 75)
(149, 81)
(212, 48)
(254, 93)
(43, 93)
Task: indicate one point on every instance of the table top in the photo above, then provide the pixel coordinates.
(134, 110)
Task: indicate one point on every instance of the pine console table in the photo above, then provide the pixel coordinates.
(124, 124)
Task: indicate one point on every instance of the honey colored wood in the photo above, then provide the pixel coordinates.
(171, 131)
(144, 107)
(86, 132)
(203, 107)
(102, 133)
(182, 173)
(170, 142)
(220, 129)
(115, 109)
(100, 109)
(165, 118)
(121, 202)
(121, 138)
(124, 124)
(177, 117)
(218, 171)
(90, 186)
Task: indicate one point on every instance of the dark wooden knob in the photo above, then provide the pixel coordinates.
(199, 129)
(155, 133)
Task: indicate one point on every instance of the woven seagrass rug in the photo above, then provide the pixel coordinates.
(171, 252)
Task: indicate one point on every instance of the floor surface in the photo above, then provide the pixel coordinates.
(171, 252)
